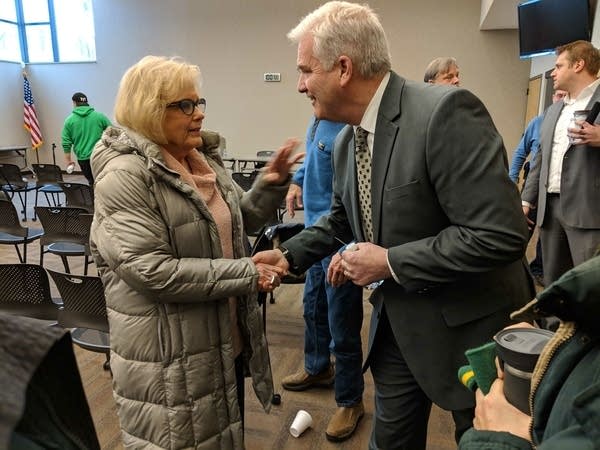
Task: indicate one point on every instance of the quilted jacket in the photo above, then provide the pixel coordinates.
(565, 393)
(158, 253)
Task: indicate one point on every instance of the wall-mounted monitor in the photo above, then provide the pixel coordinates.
(546, 24)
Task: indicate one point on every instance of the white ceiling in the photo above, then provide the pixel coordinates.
(498, 14)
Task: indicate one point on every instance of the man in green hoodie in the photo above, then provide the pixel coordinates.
(81, 131)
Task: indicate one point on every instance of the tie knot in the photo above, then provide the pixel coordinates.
(361, 139)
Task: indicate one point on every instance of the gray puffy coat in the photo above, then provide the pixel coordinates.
(158, 252)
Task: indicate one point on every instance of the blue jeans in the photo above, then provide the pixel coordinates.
(333, 319)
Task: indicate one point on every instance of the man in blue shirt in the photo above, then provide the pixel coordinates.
(332, 316)
(529, 146)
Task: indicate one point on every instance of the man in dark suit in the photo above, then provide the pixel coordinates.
(445, 235)
(564, 181)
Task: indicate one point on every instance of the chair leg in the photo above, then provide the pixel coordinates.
(35, 204)
(85, 265)
(271, 298)
(65, 263)
(21, 260)
(42, 255)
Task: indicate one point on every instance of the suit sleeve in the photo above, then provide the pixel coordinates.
(484, 226)
(532, 186)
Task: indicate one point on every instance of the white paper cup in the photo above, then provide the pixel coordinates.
(302, 421)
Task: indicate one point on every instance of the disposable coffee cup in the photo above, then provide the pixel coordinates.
(518, 350)
(302, 421)
(575, 123)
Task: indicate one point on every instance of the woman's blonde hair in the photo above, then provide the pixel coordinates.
(147, 88)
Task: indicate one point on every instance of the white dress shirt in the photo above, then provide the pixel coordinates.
(560, 140)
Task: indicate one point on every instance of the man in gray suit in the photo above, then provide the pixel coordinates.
(444, 242)
(564, 181)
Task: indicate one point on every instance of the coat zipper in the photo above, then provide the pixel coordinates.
(565, 331)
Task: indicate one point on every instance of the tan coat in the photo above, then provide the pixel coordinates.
(159, 255)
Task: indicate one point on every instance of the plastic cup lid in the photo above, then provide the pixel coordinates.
(520, 347)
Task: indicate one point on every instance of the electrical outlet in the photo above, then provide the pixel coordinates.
(272, 76)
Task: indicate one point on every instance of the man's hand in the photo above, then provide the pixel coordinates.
(365, 263)
(587, 134)
(272, 258)
(335, 271)
(494, 413)
(526, 211)
(293, 199)
(278, 168)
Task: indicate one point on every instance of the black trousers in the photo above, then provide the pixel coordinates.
(86, 170)
(401, 407)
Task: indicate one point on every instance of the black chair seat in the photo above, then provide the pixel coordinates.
(66, 249)
(51, 189)
(92, 340)
(32, 235)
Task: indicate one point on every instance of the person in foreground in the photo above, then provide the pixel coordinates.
(169, 240)
(435, 217)
(565, 393)
(332, 315)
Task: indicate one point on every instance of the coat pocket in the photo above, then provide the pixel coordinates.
(394, 192)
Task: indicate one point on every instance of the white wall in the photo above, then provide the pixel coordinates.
(234, 42)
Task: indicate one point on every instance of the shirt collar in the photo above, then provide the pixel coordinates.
(369, 119)
(585, 92)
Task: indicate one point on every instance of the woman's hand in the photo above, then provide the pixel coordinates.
(269, 277)
(278, 168)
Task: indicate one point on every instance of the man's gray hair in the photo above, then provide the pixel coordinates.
(342, 28)
(438, 65)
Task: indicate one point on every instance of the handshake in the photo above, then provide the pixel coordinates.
(269, 276)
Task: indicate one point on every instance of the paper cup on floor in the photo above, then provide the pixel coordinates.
(302, 421)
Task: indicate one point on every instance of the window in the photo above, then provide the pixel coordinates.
(47, 31)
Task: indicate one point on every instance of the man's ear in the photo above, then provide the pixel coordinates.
(346, 69)
(579, 65)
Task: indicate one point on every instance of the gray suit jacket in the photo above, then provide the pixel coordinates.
(450, 217)
(579, 181)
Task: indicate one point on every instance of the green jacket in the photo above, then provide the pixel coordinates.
(82, 129)
(167, 286)
(565, 391)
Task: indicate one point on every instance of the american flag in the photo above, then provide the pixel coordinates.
(30, 120)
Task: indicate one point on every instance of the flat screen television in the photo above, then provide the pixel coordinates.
(546, 24)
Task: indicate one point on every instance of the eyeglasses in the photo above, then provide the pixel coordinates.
(187, 106)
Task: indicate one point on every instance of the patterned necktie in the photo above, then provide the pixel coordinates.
(363, 175)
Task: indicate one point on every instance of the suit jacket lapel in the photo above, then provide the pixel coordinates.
(386, 132)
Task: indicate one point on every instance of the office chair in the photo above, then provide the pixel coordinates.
(270, 238)
(13, 182)
(78, 195)
(47, 178)
(245, 179)
(84, 311)
(12, 232)
(25, 291)
(66, 233)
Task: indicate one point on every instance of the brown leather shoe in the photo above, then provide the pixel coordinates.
(343, 423)
(301, 381)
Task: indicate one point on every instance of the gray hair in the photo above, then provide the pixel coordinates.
(437, 66)
(343, 28)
